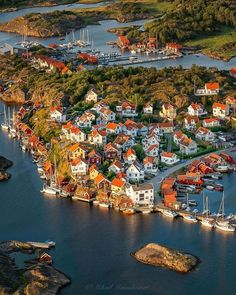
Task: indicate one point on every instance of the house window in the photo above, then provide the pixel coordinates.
(141, 197)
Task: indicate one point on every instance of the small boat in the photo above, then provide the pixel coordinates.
(225, 227)
(192, 203)
(40, 170)
(49, 190)
(190, 218)
(169, 213)
(207, 222)
(43, 176)
(146, 211)
(221, 223)
(210, 187)
(95, 202)
(222, 168)
(104, 204)
(219, 188)
(129, 211)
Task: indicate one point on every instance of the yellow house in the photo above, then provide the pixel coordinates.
(93, 172)
(76, 151)
(117, 186)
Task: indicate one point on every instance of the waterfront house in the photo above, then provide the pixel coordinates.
(174, 47)
(170, 197)
(76, 151)
(211, 88)
(123, 42)
(148, 108)
(97, 137)
(101, 182)
(152, 150)
(190, 122)
(79, 167)
(205, 134)
(115, 167)
(211, 122)
(168, 111)
(130, 156)
(56, 114)
(91, 96)
(113, 128)
(127, 109)
(142, 194)
(150, 165)
(196, 109)
(94, 158)
(77, 135)
(135, 172)
(45, 258)
(169, 158)
(118, 186)
(93, 171)
(220, 110)
(112, 152)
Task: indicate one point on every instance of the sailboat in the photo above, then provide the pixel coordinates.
(12, 129)
(222, 223)
(206, 221)
(49, 189)
(4, 124)
(190, 217)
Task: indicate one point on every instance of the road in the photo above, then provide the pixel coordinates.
(157, 180)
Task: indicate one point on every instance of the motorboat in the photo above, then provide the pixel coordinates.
(169, 213)
(190, 218)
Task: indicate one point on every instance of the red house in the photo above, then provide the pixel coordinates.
(45, 258)
(94, 158)
(111, 152)
(101, 182)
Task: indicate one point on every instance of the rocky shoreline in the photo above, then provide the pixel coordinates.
(158, 255)
(36, 278)
(4, 164)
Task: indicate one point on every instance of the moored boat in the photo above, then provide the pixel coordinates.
(104, 204)
(169, 213)
(190, 218)
(128, 211)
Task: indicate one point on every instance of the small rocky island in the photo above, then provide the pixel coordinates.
(35, 278)
(4, 164)
(158, 255)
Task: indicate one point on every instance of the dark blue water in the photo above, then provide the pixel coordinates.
(94, 245)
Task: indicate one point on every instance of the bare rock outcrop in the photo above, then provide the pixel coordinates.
(158, 255)
(4, 164)
(14, 95)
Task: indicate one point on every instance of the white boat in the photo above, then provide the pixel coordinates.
(169, 213)
(206, 221)
(190, 218)
(40, 170)
(129, 211)
(23, 147)
(221, 223)
(210, 187)
(221, 168)
(49, 190)
(146, 211)
(4, 124)
(95, 202)
(104, 205)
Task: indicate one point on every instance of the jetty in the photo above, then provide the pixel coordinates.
(43, 245)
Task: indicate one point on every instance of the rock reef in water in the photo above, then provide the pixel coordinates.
(37, 278)
(4, 164)
(157, 255)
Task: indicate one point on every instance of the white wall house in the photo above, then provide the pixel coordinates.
(79, 167)
(91, 96)
(56, 114)
(205, 134)
(169, 158)
(148, 108)
(220, 110)
(142, 194)
(211, 122)
(196, 109)
(135, 173)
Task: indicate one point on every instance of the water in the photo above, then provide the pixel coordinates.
(99, 35)
(94, 245)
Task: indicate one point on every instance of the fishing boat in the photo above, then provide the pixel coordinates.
(206, 221)
(169, 213)
(222, 223)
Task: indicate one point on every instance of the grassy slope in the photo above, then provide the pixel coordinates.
(213, 43)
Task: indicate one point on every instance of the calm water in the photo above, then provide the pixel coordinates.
(99, 35)
(94, 245)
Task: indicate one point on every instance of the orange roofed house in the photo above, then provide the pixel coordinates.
(220, 110)
(169, 158)
(123, 42)
(211, 88)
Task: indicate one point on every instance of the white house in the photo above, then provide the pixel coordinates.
(79, 167)
(148, 108)
(196, 109)
(56, 114)
(149, 164)
(135, 173)
(168, 111)
(190, 122)
(115, 167)
(91, 96)
(97, 137)
(211, 88)
(130, 128)
(113, 128)
(129, 156)
(187, 146)
(142, 129)
(84, 121)
(205, 134)
(142, 194)
(152, 150)
(124, 142)
(127, 110)
(169, 158)
(77, 135)
(107, 114)
(220, 110)
(211, 122)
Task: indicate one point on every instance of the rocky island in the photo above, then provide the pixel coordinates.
(36, 278)
(4, 164)
(158, 255)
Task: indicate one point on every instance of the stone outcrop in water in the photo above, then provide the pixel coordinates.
(4, 164)
(157, 255)
(37, 278)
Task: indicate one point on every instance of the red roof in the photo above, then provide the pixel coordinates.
(212, 86)
(124, 40)
(219, 105)
(118, 182)
(232, 71)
